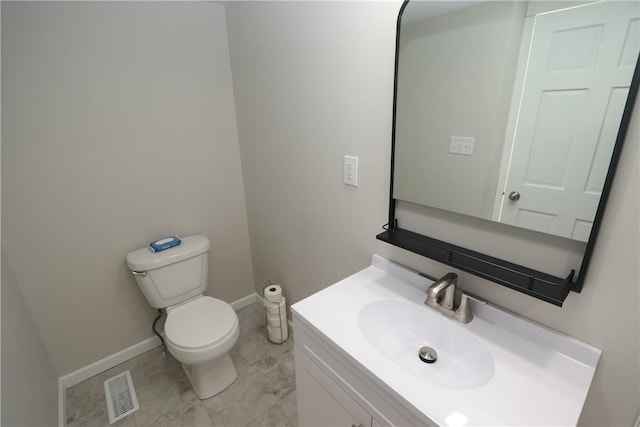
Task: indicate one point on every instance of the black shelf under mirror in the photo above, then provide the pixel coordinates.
(531, 282)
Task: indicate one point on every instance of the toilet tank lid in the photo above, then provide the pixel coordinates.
(145, 259)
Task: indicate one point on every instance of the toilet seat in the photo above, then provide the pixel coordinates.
(200, 323)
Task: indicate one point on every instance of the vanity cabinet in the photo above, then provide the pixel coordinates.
(335, 390)
(321, 402)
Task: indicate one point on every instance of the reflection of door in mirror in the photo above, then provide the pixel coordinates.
(575, 68)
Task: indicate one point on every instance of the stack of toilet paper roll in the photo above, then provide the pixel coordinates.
(276, 310)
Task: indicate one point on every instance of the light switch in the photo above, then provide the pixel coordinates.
(351, 170)
(461, 145)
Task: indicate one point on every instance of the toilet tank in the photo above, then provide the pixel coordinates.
(174, 275)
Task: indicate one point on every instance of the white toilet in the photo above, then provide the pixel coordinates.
(199, 330)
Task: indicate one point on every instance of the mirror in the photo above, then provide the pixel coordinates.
(512, 112)
(509, 110)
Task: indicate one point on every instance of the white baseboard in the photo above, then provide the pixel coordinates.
(244, 302)
(62, 404)
(129, 353)
(110, 361)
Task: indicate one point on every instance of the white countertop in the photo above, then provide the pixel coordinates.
(540, 377)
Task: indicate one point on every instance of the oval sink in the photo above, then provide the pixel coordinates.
(398, 329)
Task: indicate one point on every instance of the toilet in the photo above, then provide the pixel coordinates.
(199, 330)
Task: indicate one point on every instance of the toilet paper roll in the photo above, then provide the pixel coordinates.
(278, 335)
(276, 314)
(277, 339)
(279, 324)
(273, 293)
(276, 319)
(274, 327)
(275, 309)
(274, 331)
(274, 305)
(268, 303)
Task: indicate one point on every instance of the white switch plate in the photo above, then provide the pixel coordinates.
(351, 170)
(461, 145)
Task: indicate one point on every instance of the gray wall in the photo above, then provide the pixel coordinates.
(29, 380)
(313, 82)
(118, 128)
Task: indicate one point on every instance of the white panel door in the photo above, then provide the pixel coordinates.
(579, 68)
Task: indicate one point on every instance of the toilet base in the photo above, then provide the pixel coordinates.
(210, 378)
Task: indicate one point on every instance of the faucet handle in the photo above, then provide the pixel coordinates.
(469, 295)
(464, 310)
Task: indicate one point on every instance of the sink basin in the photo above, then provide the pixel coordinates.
(398, 329)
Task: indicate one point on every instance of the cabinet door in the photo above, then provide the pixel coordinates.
(321, 402)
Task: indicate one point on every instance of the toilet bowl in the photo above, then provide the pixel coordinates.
(200, 333)
(199, 330)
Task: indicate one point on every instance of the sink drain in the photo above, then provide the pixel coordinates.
(428, 354)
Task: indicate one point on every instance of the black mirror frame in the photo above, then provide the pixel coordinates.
(523, 279)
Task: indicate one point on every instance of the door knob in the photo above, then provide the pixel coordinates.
(514, 195)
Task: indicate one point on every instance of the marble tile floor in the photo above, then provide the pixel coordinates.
(263, 395)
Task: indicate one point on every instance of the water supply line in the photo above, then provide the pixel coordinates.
(155, 331)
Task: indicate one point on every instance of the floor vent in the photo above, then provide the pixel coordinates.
(121, 396)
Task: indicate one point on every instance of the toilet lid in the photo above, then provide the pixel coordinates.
(200, 322)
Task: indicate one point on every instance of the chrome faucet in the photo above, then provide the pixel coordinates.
(442, 292)
(441, 296)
